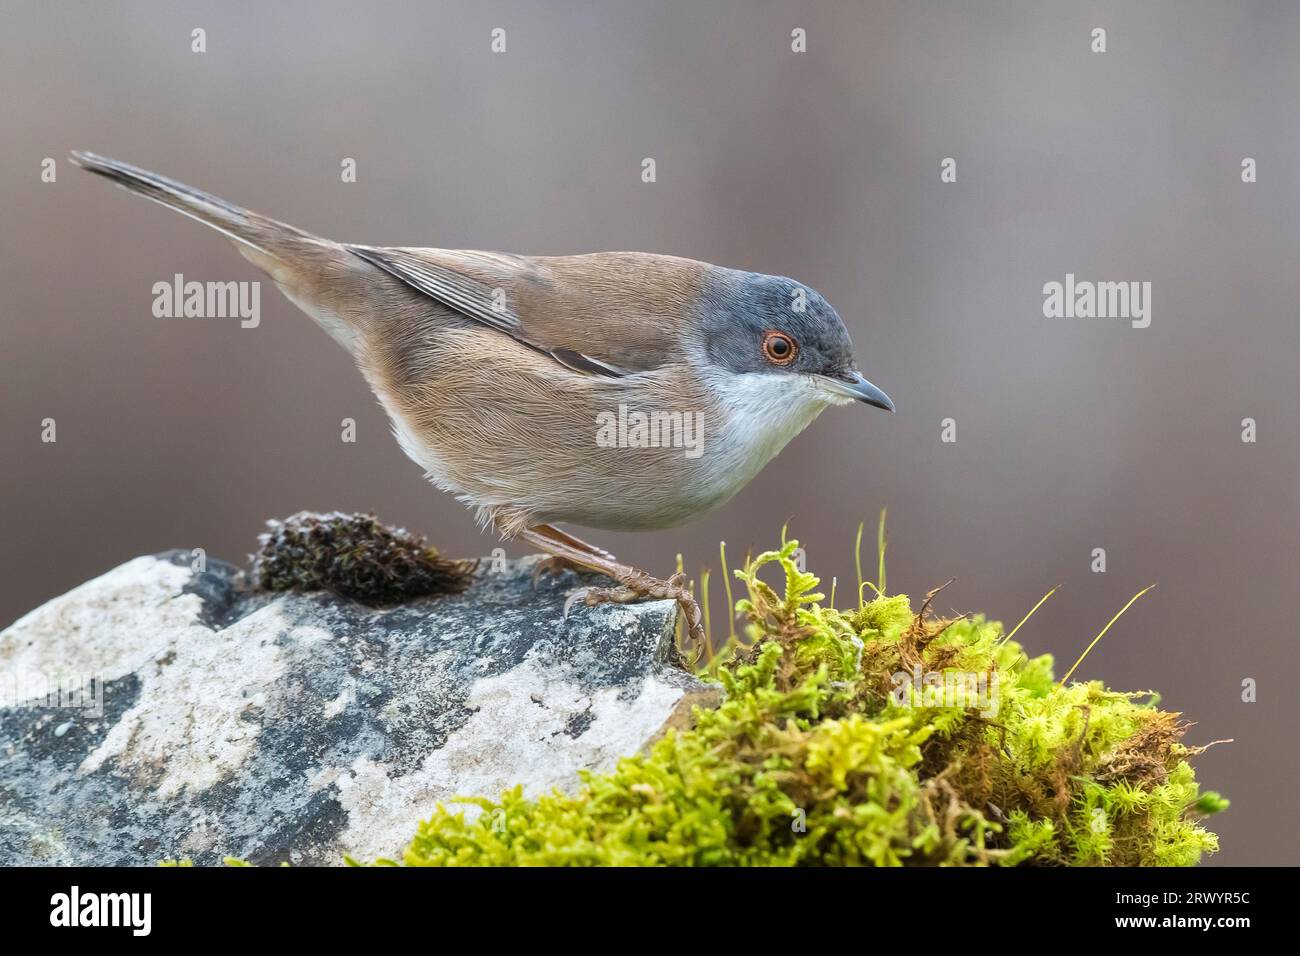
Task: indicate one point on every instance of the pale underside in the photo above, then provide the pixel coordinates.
(519, 438)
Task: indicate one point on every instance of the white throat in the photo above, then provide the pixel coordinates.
(763, 411)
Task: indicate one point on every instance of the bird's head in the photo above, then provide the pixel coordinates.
(754, 324)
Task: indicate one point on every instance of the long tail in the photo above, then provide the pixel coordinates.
(314, 273)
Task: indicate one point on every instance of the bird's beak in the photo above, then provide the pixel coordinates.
(853, 385)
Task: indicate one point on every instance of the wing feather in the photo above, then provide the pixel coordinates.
(471, 298)
(608, 314)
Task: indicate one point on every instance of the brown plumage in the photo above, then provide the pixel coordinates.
(499, 371)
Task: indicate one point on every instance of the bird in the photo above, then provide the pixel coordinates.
(610, 390)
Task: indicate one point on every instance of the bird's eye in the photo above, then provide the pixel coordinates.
(779, 348)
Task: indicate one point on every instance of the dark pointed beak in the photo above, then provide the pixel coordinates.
(854, 385)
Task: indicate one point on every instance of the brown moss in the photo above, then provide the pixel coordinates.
(1147, 756)
(356, 557)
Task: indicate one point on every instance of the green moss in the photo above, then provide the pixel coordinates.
(879, 735)
(356, 557)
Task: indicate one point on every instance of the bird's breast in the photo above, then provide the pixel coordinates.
(506, 428)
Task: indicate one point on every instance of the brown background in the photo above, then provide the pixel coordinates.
(1072, 434)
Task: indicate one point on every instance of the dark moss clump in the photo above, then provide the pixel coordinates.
(355, 557)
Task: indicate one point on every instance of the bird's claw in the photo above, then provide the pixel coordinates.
(616, 595)
(593, 596)
(674, 589)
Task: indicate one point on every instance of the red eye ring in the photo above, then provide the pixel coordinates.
(779, 348)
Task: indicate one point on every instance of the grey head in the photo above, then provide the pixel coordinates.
(771, 325)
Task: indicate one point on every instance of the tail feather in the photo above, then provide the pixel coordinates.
(319, 276)
(240, 225)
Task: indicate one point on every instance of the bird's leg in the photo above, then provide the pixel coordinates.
(564, 537)
(635, 583)
(554, 564)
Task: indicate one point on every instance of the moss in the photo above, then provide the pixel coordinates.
(356, 557)
(879, 735)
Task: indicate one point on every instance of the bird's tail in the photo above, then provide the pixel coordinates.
(302, 265)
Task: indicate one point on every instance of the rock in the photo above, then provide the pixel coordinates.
(157, 712)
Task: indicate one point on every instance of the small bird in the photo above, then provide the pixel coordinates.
(615, 390)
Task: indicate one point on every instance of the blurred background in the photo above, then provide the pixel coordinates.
(1072, 434)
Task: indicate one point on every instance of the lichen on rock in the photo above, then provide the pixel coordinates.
(879, 735)
(205, 720)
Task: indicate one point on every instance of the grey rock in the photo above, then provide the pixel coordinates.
(157, 712)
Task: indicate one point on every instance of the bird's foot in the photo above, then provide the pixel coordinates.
(640, 586)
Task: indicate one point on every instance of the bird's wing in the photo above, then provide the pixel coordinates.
(608, 313)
